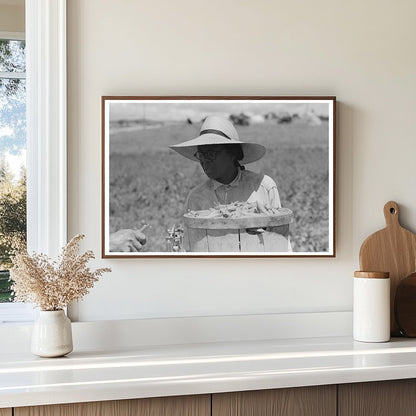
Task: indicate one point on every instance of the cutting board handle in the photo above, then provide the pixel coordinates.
(391, 214)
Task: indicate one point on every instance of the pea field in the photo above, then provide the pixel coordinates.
(150, 182)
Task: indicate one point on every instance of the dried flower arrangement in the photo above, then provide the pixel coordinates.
(52, 285)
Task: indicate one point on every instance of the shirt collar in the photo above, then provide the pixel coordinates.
(233, 183)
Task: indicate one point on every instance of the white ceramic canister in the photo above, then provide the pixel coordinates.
(371, 308)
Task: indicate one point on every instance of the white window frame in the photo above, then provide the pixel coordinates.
(46, 135)
(46, 125)
(12, 35)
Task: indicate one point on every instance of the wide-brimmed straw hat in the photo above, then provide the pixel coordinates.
(219, 130)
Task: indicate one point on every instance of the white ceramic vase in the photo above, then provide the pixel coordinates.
(52, 334)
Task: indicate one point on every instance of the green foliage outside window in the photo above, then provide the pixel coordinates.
(12, 224)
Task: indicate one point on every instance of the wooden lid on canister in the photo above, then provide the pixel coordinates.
(372, 275)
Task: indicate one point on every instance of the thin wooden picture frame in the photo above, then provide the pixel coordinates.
(151, 176)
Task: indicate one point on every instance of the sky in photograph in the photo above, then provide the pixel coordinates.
(176, 111)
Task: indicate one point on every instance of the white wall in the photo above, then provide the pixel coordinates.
(361, 52)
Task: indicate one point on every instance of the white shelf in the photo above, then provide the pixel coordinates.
(150, 371)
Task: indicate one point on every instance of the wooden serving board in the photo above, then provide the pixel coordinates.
(393, 250)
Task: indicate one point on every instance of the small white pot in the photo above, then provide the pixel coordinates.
(52, 334)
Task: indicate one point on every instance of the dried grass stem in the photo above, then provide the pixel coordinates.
(53, 285)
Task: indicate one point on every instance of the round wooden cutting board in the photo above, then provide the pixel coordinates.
(393, 250)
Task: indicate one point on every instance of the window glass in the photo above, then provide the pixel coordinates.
(12, 157)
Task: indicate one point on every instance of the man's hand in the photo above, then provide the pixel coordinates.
(127, 240)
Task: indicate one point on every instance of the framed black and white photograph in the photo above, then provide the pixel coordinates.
(218, 176)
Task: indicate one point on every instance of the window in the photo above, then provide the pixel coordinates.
(12, 153)
(46, 135)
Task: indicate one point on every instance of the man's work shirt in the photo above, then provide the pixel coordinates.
(246, 187)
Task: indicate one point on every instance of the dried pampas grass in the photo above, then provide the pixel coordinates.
(53, 285)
